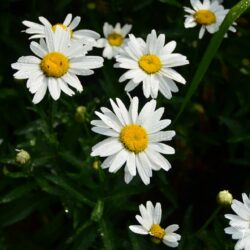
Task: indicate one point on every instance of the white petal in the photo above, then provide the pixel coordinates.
(44, 21)
(107, 147)
(157, 213)
(172, 228)
(162, 148)
(169, 47)
(40, 93)
(54, 88)
(75, 22)
(133, 109)
(146, 87)
(67, 19)
(146, 111)
(172, 74)
(162, 136)
(37, 49)
(202, 31)
(105, 131)
(118, 161)
(64, 87)
(131, 85)
(138, 229)
(127, 176)
(131, 164)
(145, 178)
(49, 36)
(73, 81)
(107, 119)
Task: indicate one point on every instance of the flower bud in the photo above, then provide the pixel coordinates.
(224, 198)
(80, 114)
(22, 157)
(96, 164)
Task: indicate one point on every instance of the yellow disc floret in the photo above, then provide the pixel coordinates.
(134, 138)
(54, 64)
(59, 24)
(157, 231)
(63, 27)
(115, 39)
(205, 17)
(150, 63)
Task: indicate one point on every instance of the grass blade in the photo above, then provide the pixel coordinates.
(212, 48)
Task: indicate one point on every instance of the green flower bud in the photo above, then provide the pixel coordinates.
(224, 198)
(80, 114)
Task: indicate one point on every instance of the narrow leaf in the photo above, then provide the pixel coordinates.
(212, 48)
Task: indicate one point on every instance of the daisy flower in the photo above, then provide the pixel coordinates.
(150, 219)
(37, 30)
(114, 39)
(240, 223)
(135, 139)
(55, 65)
(209, 14)
(150, 63)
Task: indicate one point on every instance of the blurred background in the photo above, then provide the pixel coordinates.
(61, 199)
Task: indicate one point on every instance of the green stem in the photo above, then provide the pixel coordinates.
(210, 219)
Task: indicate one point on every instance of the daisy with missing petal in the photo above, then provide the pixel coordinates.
(209, 14)
(37, 30)
(151, 63)
(150, 219)
(240, 223)
(55, 65)
(135, 139)
(114, 39)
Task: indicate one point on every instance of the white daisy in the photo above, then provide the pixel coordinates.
(150, 219)
(240, 223)
(114, 39)
(209, 14)
(151, 63)
(37, 30)
(134, 139)
(55, 65)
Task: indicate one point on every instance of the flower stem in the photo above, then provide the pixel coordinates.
(210, 219)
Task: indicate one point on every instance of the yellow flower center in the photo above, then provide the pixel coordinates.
(54, 64)
(205, 17)
(115, 39)
(150, 63)
(63, 27)
(134, 138)
(157, 231)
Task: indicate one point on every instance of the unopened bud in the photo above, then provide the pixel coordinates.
(224, 198)
(80, 114)
(96, 164)
(22, 157)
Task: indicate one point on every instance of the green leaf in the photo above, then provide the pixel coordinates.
(17, 193)
(107, 235)
(70, 190)
(17, 175)
(171, 2)
(98, 211)
(211, 51)
(84, 236)
(18, 210)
